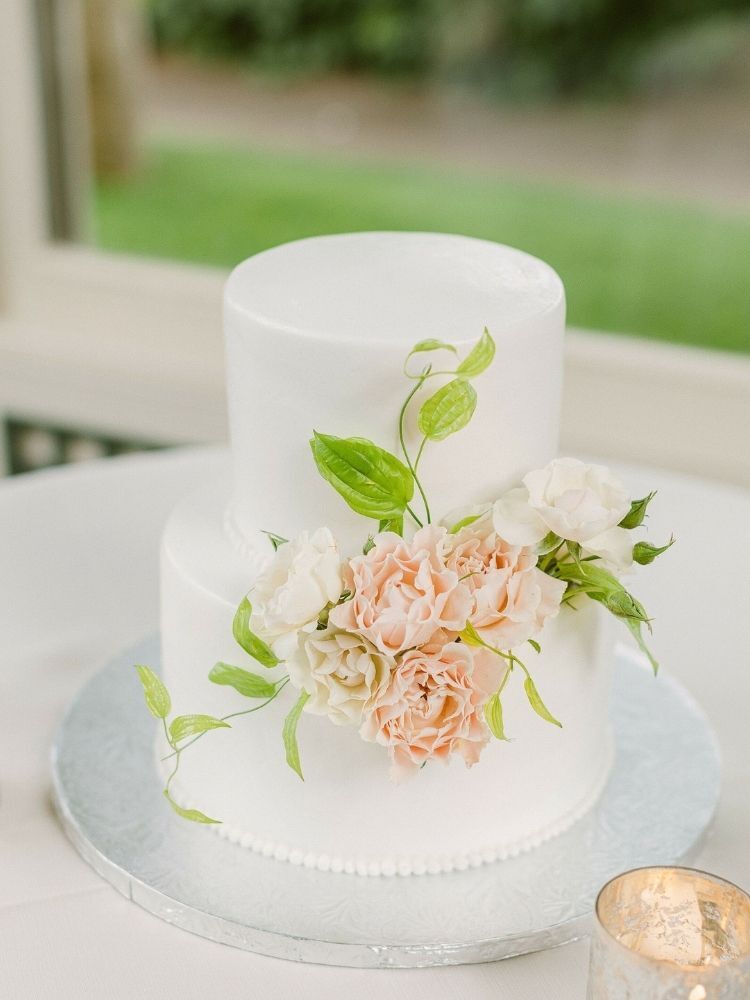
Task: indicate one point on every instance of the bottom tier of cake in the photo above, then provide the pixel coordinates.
(347, 815)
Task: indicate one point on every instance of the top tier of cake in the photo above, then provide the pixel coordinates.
(316, 336)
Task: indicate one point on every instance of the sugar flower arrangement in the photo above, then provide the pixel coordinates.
(413, 640)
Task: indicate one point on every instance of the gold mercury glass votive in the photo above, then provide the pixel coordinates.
(670, 934)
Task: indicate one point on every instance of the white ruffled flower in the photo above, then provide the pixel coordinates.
(341, 672)
(515, 520)
(576, 501)
(302, 578)
(614, 548)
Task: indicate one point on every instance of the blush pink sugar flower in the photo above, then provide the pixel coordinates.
(512, 598)
(432, 706)
(403, 592)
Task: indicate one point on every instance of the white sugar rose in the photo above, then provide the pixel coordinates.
(613, 547)
(340, 672)
(516, 521)
(301, 579)
(574, 500)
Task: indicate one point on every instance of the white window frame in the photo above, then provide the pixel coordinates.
(138, 342)
(141, 337)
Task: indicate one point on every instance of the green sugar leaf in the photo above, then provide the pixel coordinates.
(158, 701)
(431, 345)
(534, 645)
(463, 523)
(369, 545)
(479, 358)
(289, 734)
(392, 524)
(635, 516)
(624, 605)
(194, 815)
(373, 482)
(470, 636)
(548, 544)
(248, 684)
(493, 713)
(635, 629)
(644, 553)
(537, 704)
(596, 579)
(248, 640)
(448, 410)
(275, 540)
(184, 726)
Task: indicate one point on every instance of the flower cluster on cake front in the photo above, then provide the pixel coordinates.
(412, 641)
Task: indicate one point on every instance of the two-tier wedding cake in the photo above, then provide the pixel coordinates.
(391, 626)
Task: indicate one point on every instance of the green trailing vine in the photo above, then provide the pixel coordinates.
(185, 730)
(377, 484)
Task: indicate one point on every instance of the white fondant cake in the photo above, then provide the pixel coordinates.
(317, 332)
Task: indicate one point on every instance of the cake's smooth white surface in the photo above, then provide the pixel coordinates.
(316, 333)
(348, 815)
(316, 336)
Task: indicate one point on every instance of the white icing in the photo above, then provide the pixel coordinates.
(418, 865)
(316, 335)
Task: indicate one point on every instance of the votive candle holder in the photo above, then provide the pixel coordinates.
(670, 934)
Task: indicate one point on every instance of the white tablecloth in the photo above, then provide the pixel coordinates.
(79, 581)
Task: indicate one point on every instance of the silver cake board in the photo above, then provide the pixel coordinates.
(656, 808)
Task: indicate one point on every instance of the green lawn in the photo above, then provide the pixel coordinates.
(673, 272)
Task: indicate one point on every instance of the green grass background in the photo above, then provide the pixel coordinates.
(668, 271)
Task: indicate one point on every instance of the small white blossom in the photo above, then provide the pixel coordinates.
(576, 501)
(302, 578)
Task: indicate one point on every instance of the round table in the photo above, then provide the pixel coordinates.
(79, 581)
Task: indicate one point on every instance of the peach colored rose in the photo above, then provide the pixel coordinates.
(512, 598)
(402, 592)
(432, 707)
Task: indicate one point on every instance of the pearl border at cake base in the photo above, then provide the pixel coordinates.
(658, 803)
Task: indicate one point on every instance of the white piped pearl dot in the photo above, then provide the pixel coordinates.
(281, 853)
(324, 863)
(337, 865)
(268, 848)
(296, 857)
(310, 861)
(388, 868)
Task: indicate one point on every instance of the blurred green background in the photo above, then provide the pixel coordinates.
(601, 135)
(517, 48)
